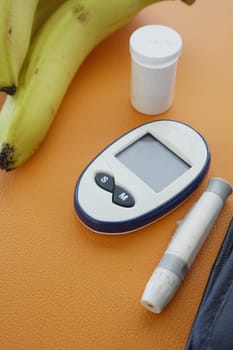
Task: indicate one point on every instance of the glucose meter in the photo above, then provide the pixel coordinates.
(141, 176)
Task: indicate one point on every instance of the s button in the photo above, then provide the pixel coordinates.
(105, 181)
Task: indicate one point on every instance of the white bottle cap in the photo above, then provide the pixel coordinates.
(154, 51)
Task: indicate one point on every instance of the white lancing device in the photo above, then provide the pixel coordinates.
(188, 239)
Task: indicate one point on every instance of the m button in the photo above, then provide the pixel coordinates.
(122, 197)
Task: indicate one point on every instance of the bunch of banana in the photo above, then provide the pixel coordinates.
(63, 33)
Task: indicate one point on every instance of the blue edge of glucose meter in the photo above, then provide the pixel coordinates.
(149, 217)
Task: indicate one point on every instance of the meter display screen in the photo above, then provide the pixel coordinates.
(153, 162)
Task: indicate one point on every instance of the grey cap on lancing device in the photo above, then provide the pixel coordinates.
(188, 239)
(220, 187)
(155, 50)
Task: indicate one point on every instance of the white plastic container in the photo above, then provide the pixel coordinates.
(155, 50)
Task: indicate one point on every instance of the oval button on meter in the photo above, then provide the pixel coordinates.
(122, 197)
(105, 181)
(141, 176)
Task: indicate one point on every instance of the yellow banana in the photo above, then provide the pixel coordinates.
(16, 19)
(57, 51)
(44, 9)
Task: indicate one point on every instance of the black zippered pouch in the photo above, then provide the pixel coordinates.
(212, 328)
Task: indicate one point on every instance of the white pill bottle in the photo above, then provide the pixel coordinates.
(154, 50)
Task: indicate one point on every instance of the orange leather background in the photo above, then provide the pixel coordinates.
(64, 287)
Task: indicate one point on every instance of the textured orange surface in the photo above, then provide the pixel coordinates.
(64, 287)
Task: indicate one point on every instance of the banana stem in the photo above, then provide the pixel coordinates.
(9, 90)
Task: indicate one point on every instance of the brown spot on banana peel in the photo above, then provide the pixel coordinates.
(52, 111)
(7, 157)
(80, 13)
